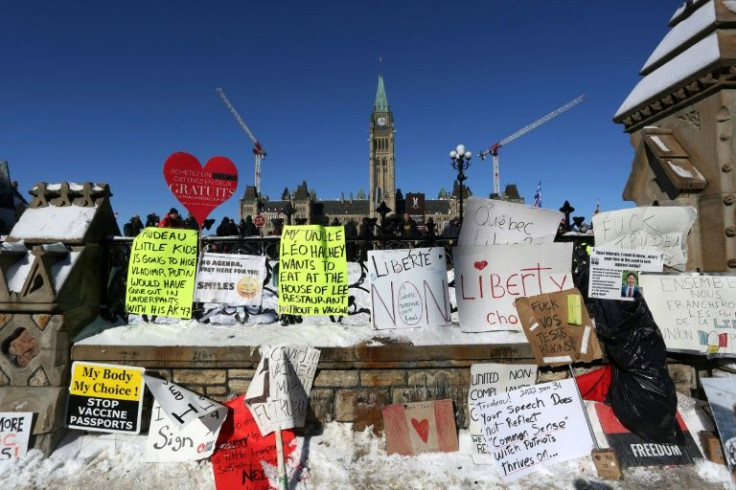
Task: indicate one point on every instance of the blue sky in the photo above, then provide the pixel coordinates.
(105, 91)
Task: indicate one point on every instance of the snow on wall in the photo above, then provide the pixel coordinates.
(58, 223)
(17, 273)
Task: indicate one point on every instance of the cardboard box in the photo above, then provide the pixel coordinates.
(712, 447)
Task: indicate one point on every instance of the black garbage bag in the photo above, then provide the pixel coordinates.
(642, 393)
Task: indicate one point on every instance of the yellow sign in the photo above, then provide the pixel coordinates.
(161, 273)
(313, 271)
(107, 381)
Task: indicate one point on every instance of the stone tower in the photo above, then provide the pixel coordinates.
(382, 159)
(680, 117)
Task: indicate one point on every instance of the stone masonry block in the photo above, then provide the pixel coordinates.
(364, 407)
(427, 377)
(238, 386)
(336, 378)
(321, 405)
(559, 374)
(382, 377)
(200, 376)
(241, 373)
(216, 390)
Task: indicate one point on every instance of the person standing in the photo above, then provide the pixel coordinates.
(172, 220)
(134, 226)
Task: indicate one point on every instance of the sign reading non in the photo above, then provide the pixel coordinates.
(161, 271)
(313, 271)
(614, 274)
(105, 398)
(494, 222)
(15, 429)
(409, 288)
(232, 279)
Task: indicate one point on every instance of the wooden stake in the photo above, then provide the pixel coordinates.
(283, 477)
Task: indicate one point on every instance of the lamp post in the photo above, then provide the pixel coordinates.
(461, 162)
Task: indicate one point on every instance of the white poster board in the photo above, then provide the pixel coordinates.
(695, 312)
(409, 288)
(232, 279)
(488, 279)
(181, 405)
(654, 229)
(614, 274)
(535, 426)
(15, 429)
(488, 380)
(494, 222)
(721, 393)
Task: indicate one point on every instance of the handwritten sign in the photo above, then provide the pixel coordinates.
(488, 380)
(232, 279)
(610, 270)
(278, 395)
(163, 263)
(652, 229)
(535, 426)
(409, 288)
(105, 398)
(488, 279)
(180, 404)
(422, 427)
(15, 429)
(695, 312)
(313, 271)
(558, 328)
(494, 222)
(721, 394)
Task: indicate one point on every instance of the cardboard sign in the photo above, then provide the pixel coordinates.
(105, 398)
(232, 279)
(243, 455)
(409, 288)
(488, 380)
(488, 280)
(652, 229)
(15, 429)
(198, 189)
(494, 222)
(167, 442)
(632, 450)
(696, 313)
(422, 427)
(558, 328)
(179, 404)
(614, 274)
(535, 426)
(163, 263)
(313, 271)
(721, 393)
(278, 395)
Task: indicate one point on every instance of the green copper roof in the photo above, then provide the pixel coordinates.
(381, 104)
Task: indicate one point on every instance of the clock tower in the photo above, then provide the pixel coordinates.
(382, 155)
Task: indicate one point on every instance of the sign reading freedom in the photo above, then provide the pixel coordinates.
(313, 271)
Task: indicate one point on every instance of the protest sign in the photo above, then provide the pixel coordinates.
(652, 229)
(105, 398)
(244, 458)
(488, 380)
(614, 274)
(422, 427)
(535, 426)
(409, 288)
(721, 393)
(232, 279)
(278, 395)
(180, 404)
(15, 429)
(494, 222)
(199, 189)
(558, 328)
(488, 279)
(632, 450)
(313, 271)
(161, 271)
(695, 312)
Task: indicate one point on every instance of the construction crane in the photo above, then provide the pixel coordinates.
(258, 150)
(493, 149)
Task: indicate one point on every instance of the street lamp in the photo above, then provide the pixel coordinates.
(461, 162)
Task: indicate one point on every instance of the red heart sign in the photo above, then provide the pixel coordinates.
(198, 189)
(422, 428)
(481, 265)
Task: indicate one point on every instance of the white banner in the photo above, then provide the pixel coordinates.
(695, 312)
(653, 229)
(488, 279)
(494, 222)
(180, 404)
(232, 279)
(614, 274)
(15, 429)
(409, 288)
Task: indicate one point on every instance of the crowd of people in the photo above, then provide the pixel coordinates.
(173, 219)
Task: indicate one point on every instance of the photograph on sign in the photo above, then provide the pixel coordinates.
(696, 313)
(420, 427)
(232, 279)
(495, 222)
(409, 288)
(15, 431)
(721, 393)
(489, 278)
(614, 273)
(178, 403)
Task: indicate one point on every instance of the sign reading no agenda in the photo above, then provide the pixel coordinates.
(105, 398)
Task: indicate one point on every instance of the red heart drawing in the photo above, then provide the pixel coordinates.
(198, 189)
(481, 265)
(422, 428)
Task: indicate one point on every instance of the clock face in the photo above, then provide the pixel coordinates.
(381, 121)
